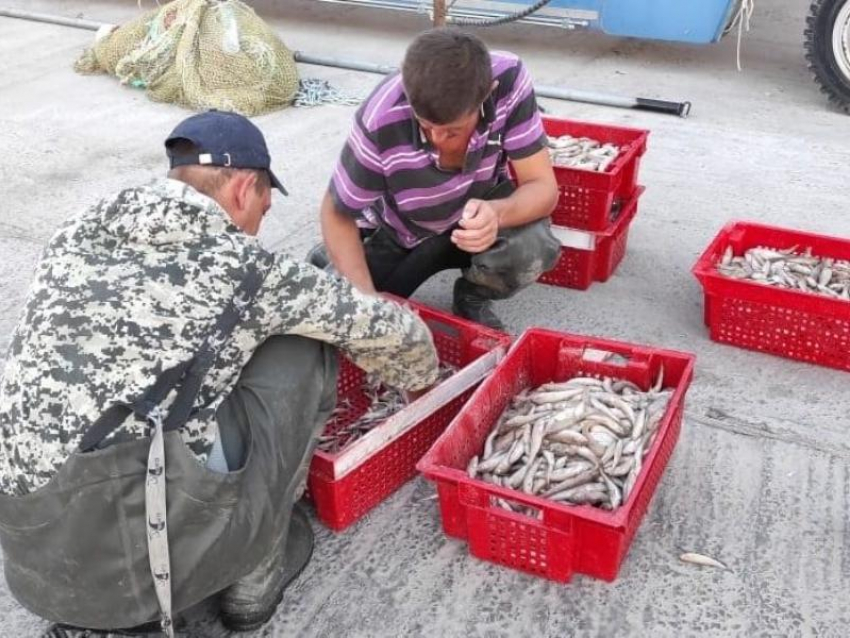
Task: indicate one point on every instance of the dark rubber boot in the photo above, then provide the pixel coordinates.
(151, 629)
(251, 602)
(318, 256)
(469, 303)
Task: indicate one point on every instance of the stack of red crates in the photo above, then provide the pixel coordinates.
(602, 206)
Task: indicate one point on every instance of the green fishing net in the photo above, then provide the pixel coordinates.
(201, 54)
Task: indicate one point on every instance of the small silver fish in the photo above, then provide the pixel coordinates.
(583, 152)
(585, 433)
(384, 402)
(789, 269)
(701, 559)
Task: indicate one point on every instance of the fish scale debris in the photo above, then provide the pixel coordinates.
(582, 441)
(384, 402)
(582, 152)
(789, 269)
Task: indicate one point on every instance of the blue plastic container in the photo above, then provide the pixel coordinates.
(697, 21)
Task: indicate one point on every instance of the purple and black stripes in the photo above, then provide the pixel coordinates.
(388, 168)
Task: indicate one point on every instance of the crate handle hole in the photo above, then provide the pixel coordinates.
(509, 505)
(595, 355)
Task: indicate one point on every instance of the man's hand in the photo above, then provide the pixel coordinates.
(479, 227)
(411, 395)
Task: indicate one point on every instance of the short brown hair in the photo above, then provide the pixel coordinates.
(446, 74)
(209, 179)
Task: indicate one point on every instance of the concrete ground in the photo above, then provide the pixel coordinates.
(760, 476)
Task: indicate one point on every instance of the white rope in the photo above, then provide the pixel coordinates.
(742, 21)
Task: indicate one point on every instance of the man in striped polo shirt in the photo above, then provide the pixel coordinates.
(422, 184)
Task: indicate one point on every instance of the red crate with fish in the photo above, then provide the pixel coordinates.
(593, 199)
(587, 257)
(578, 521)
(785, 292)
(349, 479)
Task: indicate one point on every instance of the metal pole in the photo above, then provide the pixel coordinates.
(351, 65)
(681, 109)
(77, 23)
(440, 13)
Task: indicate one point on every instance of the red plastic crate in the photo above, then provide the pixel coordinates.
(578, 268)
(342, 500)
(567, 539)
(587, 198)
(788, 323)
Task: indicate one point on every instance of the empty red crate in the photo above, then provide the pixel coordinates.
(579, 268)
(589, 200)
(343, 495)
(788, 323)
(567, 539)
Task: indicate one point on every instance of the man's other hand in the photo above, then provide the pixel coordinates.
(411, 395)
(479, 227)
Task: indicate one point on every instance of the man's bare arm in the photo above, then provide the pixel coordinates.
(536, 193)
(345, 248)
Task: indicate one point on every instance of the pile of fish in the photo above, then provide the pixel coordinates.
(582, 441)
(384, 402)
(789, 269)
(582, 152)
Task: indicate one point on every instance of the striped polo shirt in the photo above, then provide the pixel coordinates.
(388, 171)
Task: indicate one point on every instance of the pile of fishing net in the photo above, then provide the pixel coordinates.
(201, 54)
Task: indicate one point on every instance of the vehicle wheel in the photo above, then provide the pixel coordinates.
(828, 48)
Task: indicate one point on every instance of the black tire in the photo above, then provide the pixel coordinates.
(828, 55)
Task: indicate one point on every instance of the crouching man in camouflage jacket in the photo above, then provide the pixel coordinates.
(165, 359)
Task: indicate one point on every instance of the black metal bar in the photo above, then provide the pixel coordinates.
(682, 109)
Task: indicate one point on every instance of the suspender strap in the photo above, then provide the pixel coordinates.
(181, 408)
(114, 416)
(156, 513)
(187, 375)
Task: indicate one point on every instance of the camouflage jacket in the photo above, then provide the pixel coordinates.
(131, 287)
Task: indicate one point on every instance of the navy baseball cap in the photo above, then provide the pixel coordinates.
(223, 139)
